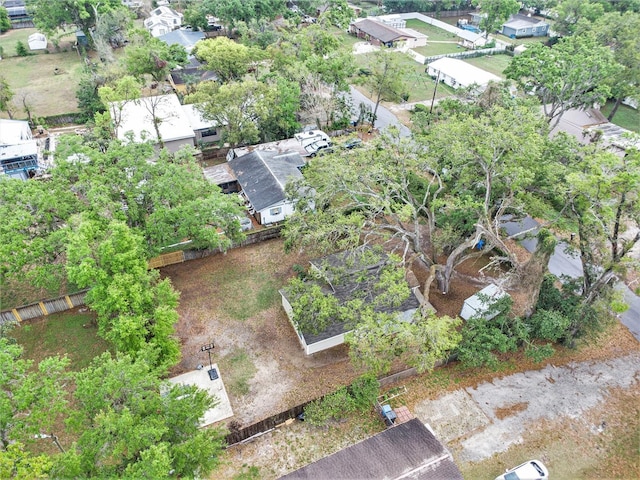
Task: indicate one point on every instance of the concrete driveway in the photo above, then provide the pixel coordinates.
(475, 419)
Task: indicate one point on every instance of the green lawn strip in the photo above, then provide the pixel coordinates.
(625, 117)
(432, 49)
(434, 33)
(238, 370)
(73, 334)
(495, 64)
(48, 91)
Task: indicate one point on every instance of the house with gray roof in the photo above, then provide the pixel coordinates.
(406, 451)
(186, 38)
(262, 176)
(346, 275)
(520, 26)
(18, 150)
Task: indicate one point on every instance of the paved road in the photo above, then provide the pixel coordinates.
(565, 261)
(384, 117)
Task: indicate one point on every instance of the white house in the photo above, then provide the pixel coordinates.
(262, 176)
(479, 305)
(37, 41)
(138, 116)
(471, 40)
(345, 273)
(163, 20)
(18, 149)
(206, 131)
(457, 73)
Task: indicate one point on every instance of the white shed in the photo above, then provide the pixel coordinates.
(475, 306)
(37, 41)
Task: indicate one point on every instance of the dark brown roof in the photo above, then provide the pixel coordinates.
(407, 451)
(378, 30)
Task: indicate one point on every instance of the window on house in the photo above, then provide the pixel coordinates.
(209, 132)
(275, 211)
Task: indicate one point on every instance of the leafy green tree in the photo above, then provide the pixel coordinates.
(233, 11)
(571, 74)
(603, 202)
(30, 398)
(133, 425)
(136, 309)
(495, 13)
(21, 49)
(147, 55)
(338, 13)
(568, 14)
(386, 79)
(229, 60)
(5, 23)
(6, 95)
(618, 32)
(380, 339)
(89, 102)
(50, 16)
(16, 462)
(123, 91)
(241, 107)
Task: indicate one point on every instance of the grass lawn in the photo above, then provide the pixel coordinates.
(239, 369)
(48, 93)
(434, 33)
(418, 84)
(625, 117)
(495, 64)
(432, 49)
(344, 37)
(9, 39)
(70, 333)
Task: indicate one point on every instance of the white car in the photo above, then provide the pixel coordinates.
(531, 470)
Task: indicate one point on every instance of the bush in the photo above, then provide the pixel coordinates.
(365, 391)
(21, 49)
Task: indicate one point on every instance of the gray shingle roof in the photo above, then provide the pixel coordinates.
(264, 174)
(407, 451)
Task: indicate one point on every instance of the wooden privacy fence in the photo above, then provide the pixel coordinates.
(67, 302)
(265, 425)
(44, 307)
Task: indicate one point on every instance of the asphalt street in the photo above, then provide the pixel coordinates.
(384, 118)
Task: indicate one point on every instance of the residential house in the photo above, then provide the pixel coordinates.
(262, 176)
(18, 150)
(345, 273)
(378, 33)
(471, 40)
(407, 451)
(133, 3)
(222, 175)
(163, 20)
(181, 78)
(520, 26)
(206, 131)
(139, 117)
(457, 73)
(184, 37)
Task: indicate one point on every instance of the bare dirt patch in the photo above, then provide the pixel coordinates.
(508, 411)
(232, 300)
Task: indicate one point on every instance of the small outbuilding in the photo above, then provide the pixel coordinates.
(379, 33)
(457, 73)
(479, 305)
(37, 41)
(471, 40)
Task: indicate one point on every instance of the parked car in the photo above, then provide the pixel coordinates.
(531, 470)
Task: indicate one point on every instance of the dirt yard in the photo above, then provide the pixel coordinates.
(233, 301)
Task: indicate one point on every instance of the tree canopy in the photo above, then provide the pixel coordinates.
(574, 73)
(495, 13)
